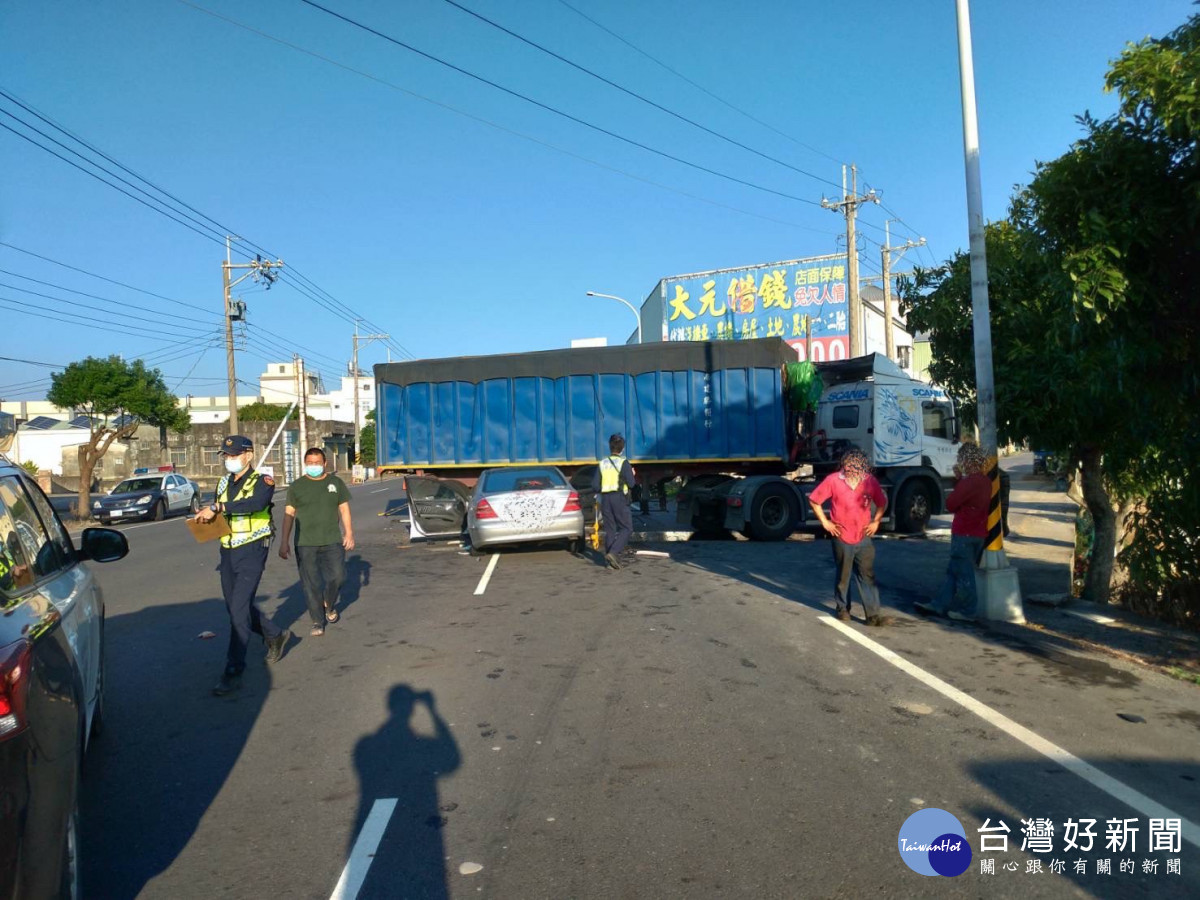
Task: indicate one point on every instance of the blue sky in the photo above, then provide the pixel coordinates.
(459, 237)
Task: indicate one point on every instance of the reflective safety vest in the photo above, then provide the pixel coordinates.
(610, 475)
(247, 527)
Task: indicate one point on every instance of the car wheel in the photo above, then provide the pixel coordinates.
(914, 506)
(160, 511)
(194, 506)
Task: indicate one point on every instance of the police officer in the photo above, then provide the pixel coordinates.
(613, 481)
(244, 498)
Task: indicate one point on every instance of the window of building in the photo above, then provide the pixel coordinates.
(845, 417)
(179, 457)
(210, 456)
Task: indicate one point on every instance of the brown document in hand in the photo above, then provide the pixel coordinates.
(208, 531)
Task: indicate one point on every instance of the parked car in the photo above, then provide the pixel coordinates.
(518, 504)
(51, 685)
(147, 495)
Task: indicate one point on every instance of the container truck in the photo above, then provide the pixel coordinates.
(714, 414)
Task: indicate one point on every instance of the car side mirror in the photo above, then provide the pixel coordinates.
(103, 545)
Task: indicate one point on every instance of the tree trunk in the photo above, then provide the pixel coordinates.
(1097, 586)
(87, 465)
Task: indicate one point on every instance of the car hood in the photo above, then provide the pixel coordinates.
(129, 495)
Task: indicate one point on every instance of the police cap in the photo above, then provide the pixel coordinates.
(235, 444)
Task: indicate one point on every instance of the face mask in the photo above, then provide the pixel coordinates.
(234, 464)
(314, 471)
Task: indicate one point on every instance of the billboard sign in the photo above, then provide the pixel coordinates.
(796, 300)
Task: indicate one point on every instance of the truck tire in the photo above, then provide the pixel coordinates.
(773, 513)
(914, 506)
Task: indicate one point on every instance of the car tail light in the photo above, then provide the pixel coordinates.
(15, 662)
(483, 510)
(733, 501)
(573, 503)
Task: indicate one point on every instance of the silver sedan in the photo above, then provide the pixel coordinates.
(518, 504)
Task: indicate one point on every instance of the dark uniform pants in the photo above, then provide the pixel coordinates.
(618, 521)
(241, 570)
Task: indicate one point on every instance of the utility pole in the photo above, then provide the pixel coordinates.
(302, 401)
(235, 311)
(999, 587)
(360, 340)
(849, 205)
(888, 338)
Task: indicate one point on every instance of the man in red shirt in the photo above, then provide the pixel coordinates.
(969, 502)
(851, 492)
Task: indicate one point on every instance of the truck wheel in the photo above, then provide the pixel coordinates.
(914, 506)
(773, 513)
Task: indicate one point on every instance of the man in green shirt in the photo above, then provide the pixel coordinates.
(318, 506)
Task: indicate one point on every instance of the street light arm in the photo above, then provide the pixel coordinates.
(632, 309)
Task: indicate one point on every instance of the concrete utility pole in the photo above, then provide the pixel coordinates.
(999, 588)
(235, 311)
(360, 340)
(302, 399)
(888, 338)
(849, 205)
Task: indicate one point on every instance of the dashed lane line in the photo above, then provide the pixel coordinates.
(1089, 773)
(363, 851)
(487, 574)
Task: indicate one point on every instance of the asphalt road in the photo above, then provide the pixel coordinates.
(697, 726)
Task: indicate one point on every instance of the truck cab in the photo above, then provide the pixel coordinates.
(908, 429)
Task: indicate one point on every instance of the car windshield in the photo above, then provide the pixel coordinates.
(502, 481)
(137, 484)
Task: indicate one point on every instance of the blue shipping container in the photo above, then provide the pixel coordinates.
(683, 402)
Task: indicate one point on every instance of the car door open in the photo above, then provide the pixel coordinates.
(437, 507)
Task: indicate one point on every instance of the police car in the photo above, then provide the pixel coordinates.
(149, 494)
(51, 684)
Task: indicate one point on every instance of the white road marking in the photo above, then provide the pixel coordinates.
(381, 490)
(1122, 792)
(487, 574)
(363, 851)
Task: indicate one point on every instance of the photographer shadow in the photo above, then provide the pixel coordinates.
(396, 765)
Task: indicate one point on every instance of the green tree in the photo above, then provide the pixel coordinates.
(117, 396)
(1094, 325)
(30, 466)
(266, 412)
(366, 441)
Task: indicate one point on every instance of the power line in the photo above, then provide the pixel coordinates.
(556, 111)
(132, 318)
(174, 214)
(631, 93)
(76, 318)
(699, 87)
(103, 278)
(163, 212)
(519, 134)
(32, 362)
(120, 303)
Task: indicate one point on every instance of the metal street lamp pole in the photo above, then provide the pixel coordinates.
(627, 303)
(1000, 592)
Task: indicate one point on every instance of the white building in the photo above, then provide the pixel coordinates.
(874, 339)
(43, 439)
